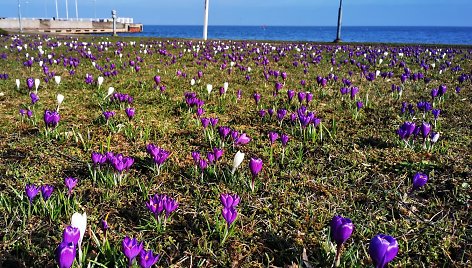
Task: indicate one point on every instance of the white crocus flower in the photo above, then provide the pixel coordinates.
(110, 91)
(79, 221)
(17, 81)
(60, 99)
(57, 79)
(225, 86)
(192, 82)
(238, 159)
(36, 84)
(209, 88)
(100, 81)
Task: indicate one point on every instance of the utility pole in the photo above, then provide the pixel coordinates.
(205, 21)
(67, 10)
(57, 11)
(340, 15)
(76, 11)
(19, 17)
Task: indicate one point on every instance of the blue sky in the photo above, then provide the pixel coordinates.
(260, 12)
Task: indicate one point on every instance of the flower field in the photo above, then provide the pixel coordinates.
(134, 152)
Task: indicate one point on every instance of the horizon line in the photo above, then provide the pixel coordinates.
(264, 25)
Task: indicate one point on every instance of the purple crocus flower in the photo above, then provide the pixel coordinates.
(131, 248)
(283, 75)
(425, 129)
(419, 180)
(200, 111)
(65, 254)
(157, 79)
(218, 153)
(30, 83)
(71, 235)
(359, 105)
(98, 158)
(170, 205)
(211, 158)
(382, 250)
(434, 93)
(29, 113)
(223, 131)
(31, 191)
(406, 130)
(341, 229)
(442, 90)
(257, 97)
(273, 136)
(46, 191)
(242, 139)
(213, 121)
(51, 118)
(354, 91)
(229, 214)
(262, 113)
(196, 156)
(205, 122)
(202, 164)
(70, 183)
(308, 97)
(255, 166)
(281, 114)
(301, 96)
(156, 204)
(229, 200)
(284, 139)
(108, 114)
(436, 113)
(234, 134)
(130, 112)
(34, 98)
(147, 258)
(290, 94)
(104, 225)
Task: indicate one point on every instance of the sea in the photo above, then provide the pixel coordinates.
(369, 34)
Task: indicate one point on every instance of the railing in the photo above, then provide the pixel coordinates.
(120, 20)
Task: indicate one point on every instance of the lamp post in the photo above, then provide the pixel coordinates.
(205, 20)
(19, 17)
(340, 15)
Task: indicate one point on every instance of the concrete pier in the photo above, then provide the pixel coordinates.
(71, 26)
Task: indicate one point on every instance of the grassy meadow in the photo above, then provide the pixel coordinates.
(346, 153)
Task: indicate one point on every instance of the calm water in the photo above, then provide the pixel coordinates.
(421, 35)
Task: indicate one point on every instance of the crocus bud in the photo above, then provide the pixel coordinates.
(110, 91)
(225, 86)
(341, 229)
(100, 81)
(60, 99)
(57, 79)
(17, 81)
(209, 88)
(36, 84)
(238, 159)
(79, 221)
(382, 249)
(65, 254)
